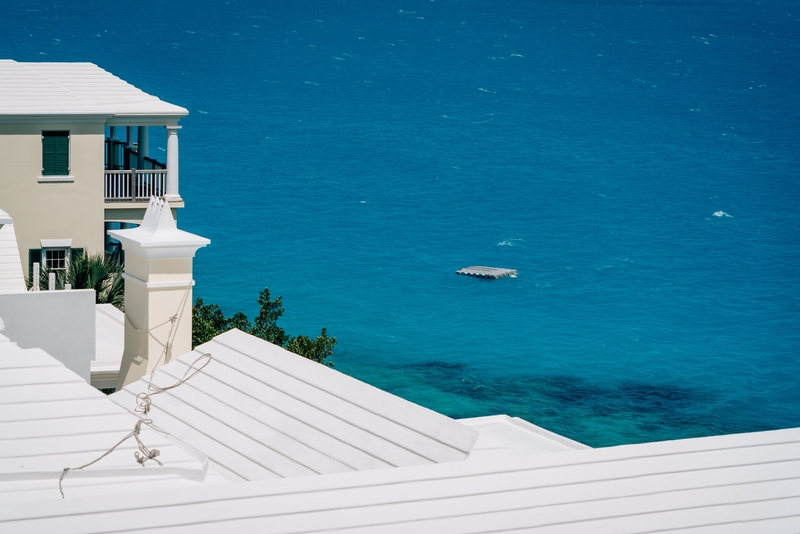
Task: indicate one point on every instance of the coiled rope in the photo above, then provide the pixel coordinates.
(144, 399)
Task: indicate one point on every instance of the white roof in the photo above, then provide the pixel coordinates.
(264, 416)
(728, 484)
(259, 411)
(70, 90)
(11, 277)
(50, 419)
(501, 434)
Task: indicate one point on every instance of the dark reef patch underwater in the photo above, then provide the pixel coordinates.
(636, 162)
(599, 414)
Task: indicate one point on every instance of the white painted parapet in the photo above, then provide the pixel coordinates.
(60, 322)
(158, 291)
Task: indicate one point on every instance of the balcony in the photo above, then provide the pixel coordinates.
(132, 185)
(131, 177)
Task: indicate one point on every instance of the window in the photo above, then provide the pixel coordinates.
(55, 153)
(55, 259)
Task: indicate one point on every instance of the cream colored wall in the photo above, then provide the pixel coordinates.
(53, 210)
(151, 309)
(158, 270)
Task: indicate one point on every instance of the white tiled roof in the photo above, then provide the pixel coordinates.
(258, 411)
(65, 89)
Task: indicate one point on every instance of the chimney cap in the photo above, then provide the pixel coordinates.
(159, 236)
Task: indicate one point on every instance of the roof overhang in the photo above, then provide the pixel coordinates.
(77, 93)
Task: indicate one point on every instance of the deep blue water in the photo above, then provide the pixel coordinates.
(636, 161)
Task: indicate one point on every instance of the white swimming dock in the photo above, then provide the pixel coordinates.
(492, 273)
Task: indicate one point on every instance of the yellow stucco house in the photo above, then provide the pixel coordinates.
(74, 158)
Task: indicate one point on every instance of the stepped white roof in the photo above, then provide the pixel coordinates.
(259, 411)
(46, 91)
(729, 484)
(11, 277)
(50, 418)
(265, 418)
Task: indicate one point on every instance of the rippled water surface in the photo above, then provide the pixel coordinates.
(636, 162)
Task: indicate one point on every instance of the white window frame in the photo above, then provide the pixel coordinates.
(46, 260)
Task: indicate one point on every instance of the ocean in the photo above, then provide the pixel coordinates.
(636, 162)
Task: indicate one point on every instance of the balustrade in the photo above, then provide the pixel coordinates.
(135, 185)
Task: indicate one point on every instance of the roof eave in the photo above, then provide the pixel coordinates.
(118, 119)
(38, 118)
(154, 119)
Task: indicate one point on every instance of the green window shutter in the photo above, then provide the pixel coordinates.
(55, 153)
(48, 155)
(62, 155)
(34, 256)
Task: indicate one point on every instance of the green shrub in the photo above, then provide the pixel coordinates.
(209, 321)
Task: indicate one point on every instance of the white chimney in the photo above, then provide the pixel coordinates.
(158, 291)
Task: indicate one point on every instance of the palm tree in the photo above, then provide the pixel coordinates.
(91, 271)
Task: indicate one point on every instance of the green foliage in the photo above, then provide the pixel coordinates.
(209, 321)
(318, 350)
(265, 326)
(90, 271)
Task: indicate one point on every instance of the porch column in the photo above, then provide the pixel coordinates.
(144, 146)
(172, 163)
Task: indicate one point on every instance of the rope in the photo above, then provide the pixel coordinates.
(144, 399)
(144, 402)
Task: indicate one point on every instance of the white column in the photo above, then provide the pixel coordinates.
(144, 146)
(172, 164)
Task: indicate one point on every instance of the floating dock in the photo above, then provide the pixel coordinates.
(492, 273)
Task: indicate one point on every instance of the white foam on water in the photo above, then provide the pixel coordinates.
(721, 214)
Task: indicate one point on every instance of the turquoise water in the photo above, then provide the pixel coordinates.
(636, 162)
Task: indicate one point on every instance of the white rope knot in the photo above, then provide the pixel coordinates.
(149, 456)
(143, 404)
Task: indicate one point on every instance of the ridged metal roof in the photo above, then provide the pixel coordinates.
(69, 89)
(258, 412)
(264, 417)
(50, 418)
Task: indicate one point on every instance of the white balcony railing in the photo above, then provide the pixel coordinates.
(132, 185)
